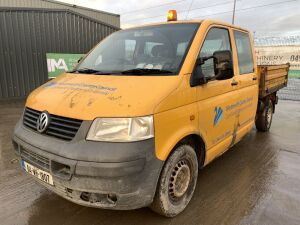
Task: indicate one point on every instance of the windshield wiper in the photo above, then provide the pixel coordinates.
(136, 71)
(85, 70)
(90, 71)
(140, 71)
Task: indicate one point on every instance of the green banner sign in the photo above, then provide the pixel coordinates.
(294, 74)
(58, 63)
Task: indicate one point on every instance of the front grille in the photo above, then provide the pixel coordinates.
(35, 159)
(60, 127)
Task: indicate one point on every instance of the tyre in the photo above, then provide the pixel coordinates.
(264, 119)
(177, 182)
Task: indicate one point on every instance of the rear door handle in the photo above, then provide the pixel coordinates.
(233, 83)
(254, 78)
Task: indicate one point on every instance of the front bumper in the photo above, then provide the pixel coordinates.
(96, 174)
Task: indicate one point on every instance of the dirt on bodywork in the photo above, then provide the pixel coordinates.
(256, 182)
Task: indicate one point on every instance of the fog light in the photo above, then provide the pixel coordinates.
(112, 198)
(108, 199)
(85, 196)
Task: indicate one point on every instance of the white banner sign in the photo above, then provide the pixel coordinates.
(272, 55)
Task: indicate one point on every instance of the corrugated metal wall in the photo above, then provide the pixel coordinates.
(27, 35)
(110, 18)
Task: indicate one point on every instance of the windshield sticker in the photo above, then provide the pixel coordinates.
(143, 33)
(98, 89)
(218, 115)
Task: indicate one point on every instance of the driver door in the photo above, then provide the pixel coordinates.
(217, 98)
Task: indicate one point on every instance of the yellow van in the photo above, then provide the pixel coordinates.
(145, 110)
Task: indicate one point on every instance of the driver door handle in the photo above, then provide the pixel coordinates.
(234, 82)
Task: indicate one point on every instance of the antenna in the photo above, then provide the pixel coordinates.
(186, 16)
(233, 13)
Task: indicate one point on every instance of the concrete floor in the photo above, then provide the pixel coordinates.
(257, 182)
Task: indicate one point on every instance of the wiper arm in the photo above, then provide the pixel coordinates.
(85, 70)
(89, 71)
(142, 71)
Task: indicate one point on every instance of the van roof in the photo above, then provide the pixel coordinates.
(208, 21)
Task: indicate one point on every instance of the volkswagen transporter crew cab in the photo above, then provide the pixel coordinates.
(143, 111)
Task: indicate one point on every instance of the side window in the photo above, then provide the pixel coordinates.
(244, 52)
(217, 39)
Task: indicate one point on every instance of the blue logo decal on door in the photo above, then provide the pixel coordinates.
(218, 115)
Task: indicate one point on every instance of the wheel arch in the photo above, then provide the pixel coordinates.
(197, 143)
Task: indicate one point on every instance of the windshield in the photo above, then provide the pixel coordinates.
(148, 50)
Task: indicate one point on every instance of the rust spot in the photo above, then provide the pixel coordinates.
(192, 117)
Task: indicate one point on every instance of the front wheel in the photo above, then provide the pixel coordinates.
(177, 182)
(264, 119)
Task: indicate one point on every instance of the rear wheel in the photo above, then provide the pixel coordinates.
(177, 182)
(264, 119)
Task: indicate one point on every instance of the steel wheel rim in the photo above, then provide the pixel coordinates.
(179, 180)
(269, 115)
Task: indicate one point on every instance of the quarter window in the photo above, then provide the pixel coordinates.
(244, 52)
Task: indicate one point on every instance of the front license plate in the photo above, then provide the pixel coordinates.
(38, 173)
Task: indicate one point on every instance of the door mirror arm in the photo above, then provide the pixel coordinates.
(200, 61)
(197, 77)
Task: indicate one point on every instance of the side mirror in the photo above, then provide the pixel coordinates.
(197, 77)
(223, 65)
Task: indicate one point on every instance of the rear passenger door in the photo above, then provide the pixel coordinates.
(247, 82)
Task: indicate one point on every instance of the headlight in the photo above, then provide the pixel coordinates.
(121, 129)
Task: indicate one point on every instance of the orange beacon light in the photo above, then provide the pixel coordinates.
(172, 15)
